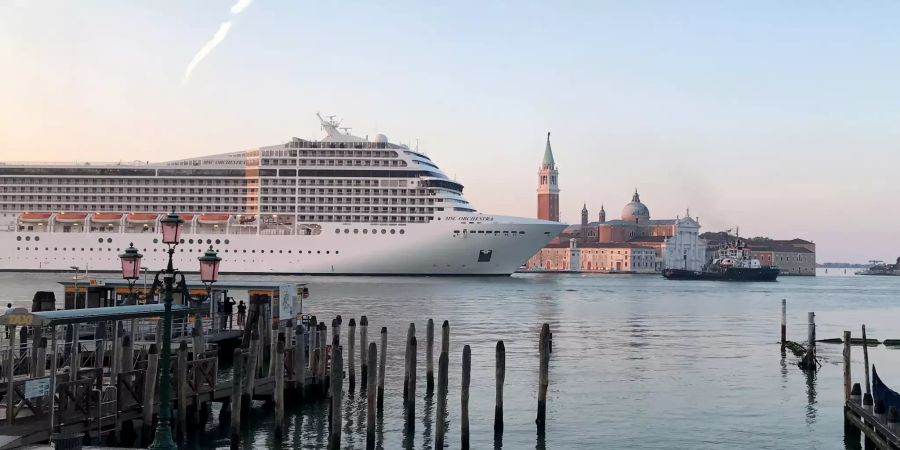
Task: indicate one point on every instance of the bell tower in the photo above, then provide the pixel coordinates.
(548, 188)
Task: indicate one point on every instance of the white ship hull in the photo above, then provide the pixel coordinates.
(472, 245)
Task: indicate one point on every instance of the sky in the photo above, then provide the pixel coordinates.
(778, 117)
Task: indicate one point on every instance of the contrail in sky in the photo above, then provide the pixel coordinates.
(217, 39)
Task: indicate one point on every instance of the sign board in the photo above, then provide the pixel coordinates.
(37, 387)
(286, 301)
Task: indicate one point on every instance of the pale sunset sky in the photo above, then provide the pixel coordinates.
(779, 117)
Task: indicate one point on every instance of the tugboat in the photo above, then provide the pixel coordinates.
(733, 262)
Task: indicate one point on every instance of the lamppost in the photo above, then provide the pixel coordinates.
(131, 269)
(209, 274)
(145, 284)
(75, 298)
(171, 231)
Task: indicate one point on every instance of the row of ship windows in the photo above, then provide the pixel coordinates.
(108, 195)
(333, 162)
(32, 183)
(59, 190)
(301, 144)
(495, 232)
(366, 231)
(122, 206)
(190, 250)
(103, 181)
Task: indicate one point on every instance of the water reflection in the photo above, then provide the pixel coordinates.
(811, 409)
(426, 421)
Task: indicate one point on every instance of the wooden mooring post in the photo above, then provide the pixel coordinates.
(351, 354)
(865, 356)
(322, 360)
(279, 387)
(501, 378)
(543, 376)
(371, 398)
(181, 388)
(337, 383)
(429, 357)
(236, 396)
(809, 361)
(411, 376)
(150, 381)
(410, 333)
(441, 400)
(300, 360)
(250, 371)
(847, 377)
(464, 397)
(783, 323)
(381, 363)
(445, 337)
(363, 348)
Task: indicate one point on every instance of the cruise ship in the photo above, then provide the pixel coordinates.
(342, 205)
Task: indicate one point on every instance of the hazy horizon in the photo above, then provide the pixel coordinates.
(778, 118)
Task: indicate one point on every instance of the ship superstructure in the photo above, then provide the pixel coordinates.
(340, 205)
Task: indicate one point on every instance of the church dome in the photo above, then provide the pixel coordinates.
(635, 211)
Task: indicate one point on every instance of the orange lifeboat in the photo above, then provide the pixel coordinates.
(106, 217)
(34, 217)
(213, 219)
(141, 217)
(70, 217)
(186, 217)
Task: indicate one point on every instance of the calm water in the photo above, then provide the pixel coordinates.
(638, 361)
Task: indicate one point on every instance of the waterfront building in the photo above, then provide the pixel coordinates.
(548, 187)
(340, 205)
(572, 256)
(793, 257)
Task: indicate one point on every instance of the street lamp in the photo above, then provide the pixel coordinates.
(131, 269)
(145, 283)
(171, 231)
(75, 297)
(209, 274)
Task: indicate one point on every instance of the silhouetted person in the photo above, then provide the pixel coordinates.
(229, 310)
(242, 313)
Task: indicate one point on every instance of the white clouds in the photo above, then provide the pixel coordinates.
(240, 6)
(217, 39)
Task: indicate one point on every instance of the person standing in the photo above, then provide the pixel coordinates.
(229, 310)
(242, 313)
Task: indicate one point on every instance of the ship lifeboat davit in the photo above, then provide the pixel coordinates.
(141, 218)
(106, 218)
(213, 219)
(34, 217)
(70, 217)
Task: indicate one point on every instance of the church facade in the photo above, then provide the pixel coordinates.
(634, 243)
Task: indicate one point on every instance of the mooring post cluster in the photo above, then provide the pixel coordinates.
(280, 361)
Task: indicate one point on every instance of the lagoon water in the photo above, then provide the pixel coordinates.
(637, 362)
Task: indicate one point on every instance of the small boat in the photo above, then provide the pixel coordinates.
(186, 217)
(213, 219)
(142, 217)
(34, 217)
(70, 217)
(733, 262)
(106, 217)
(881, 392)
